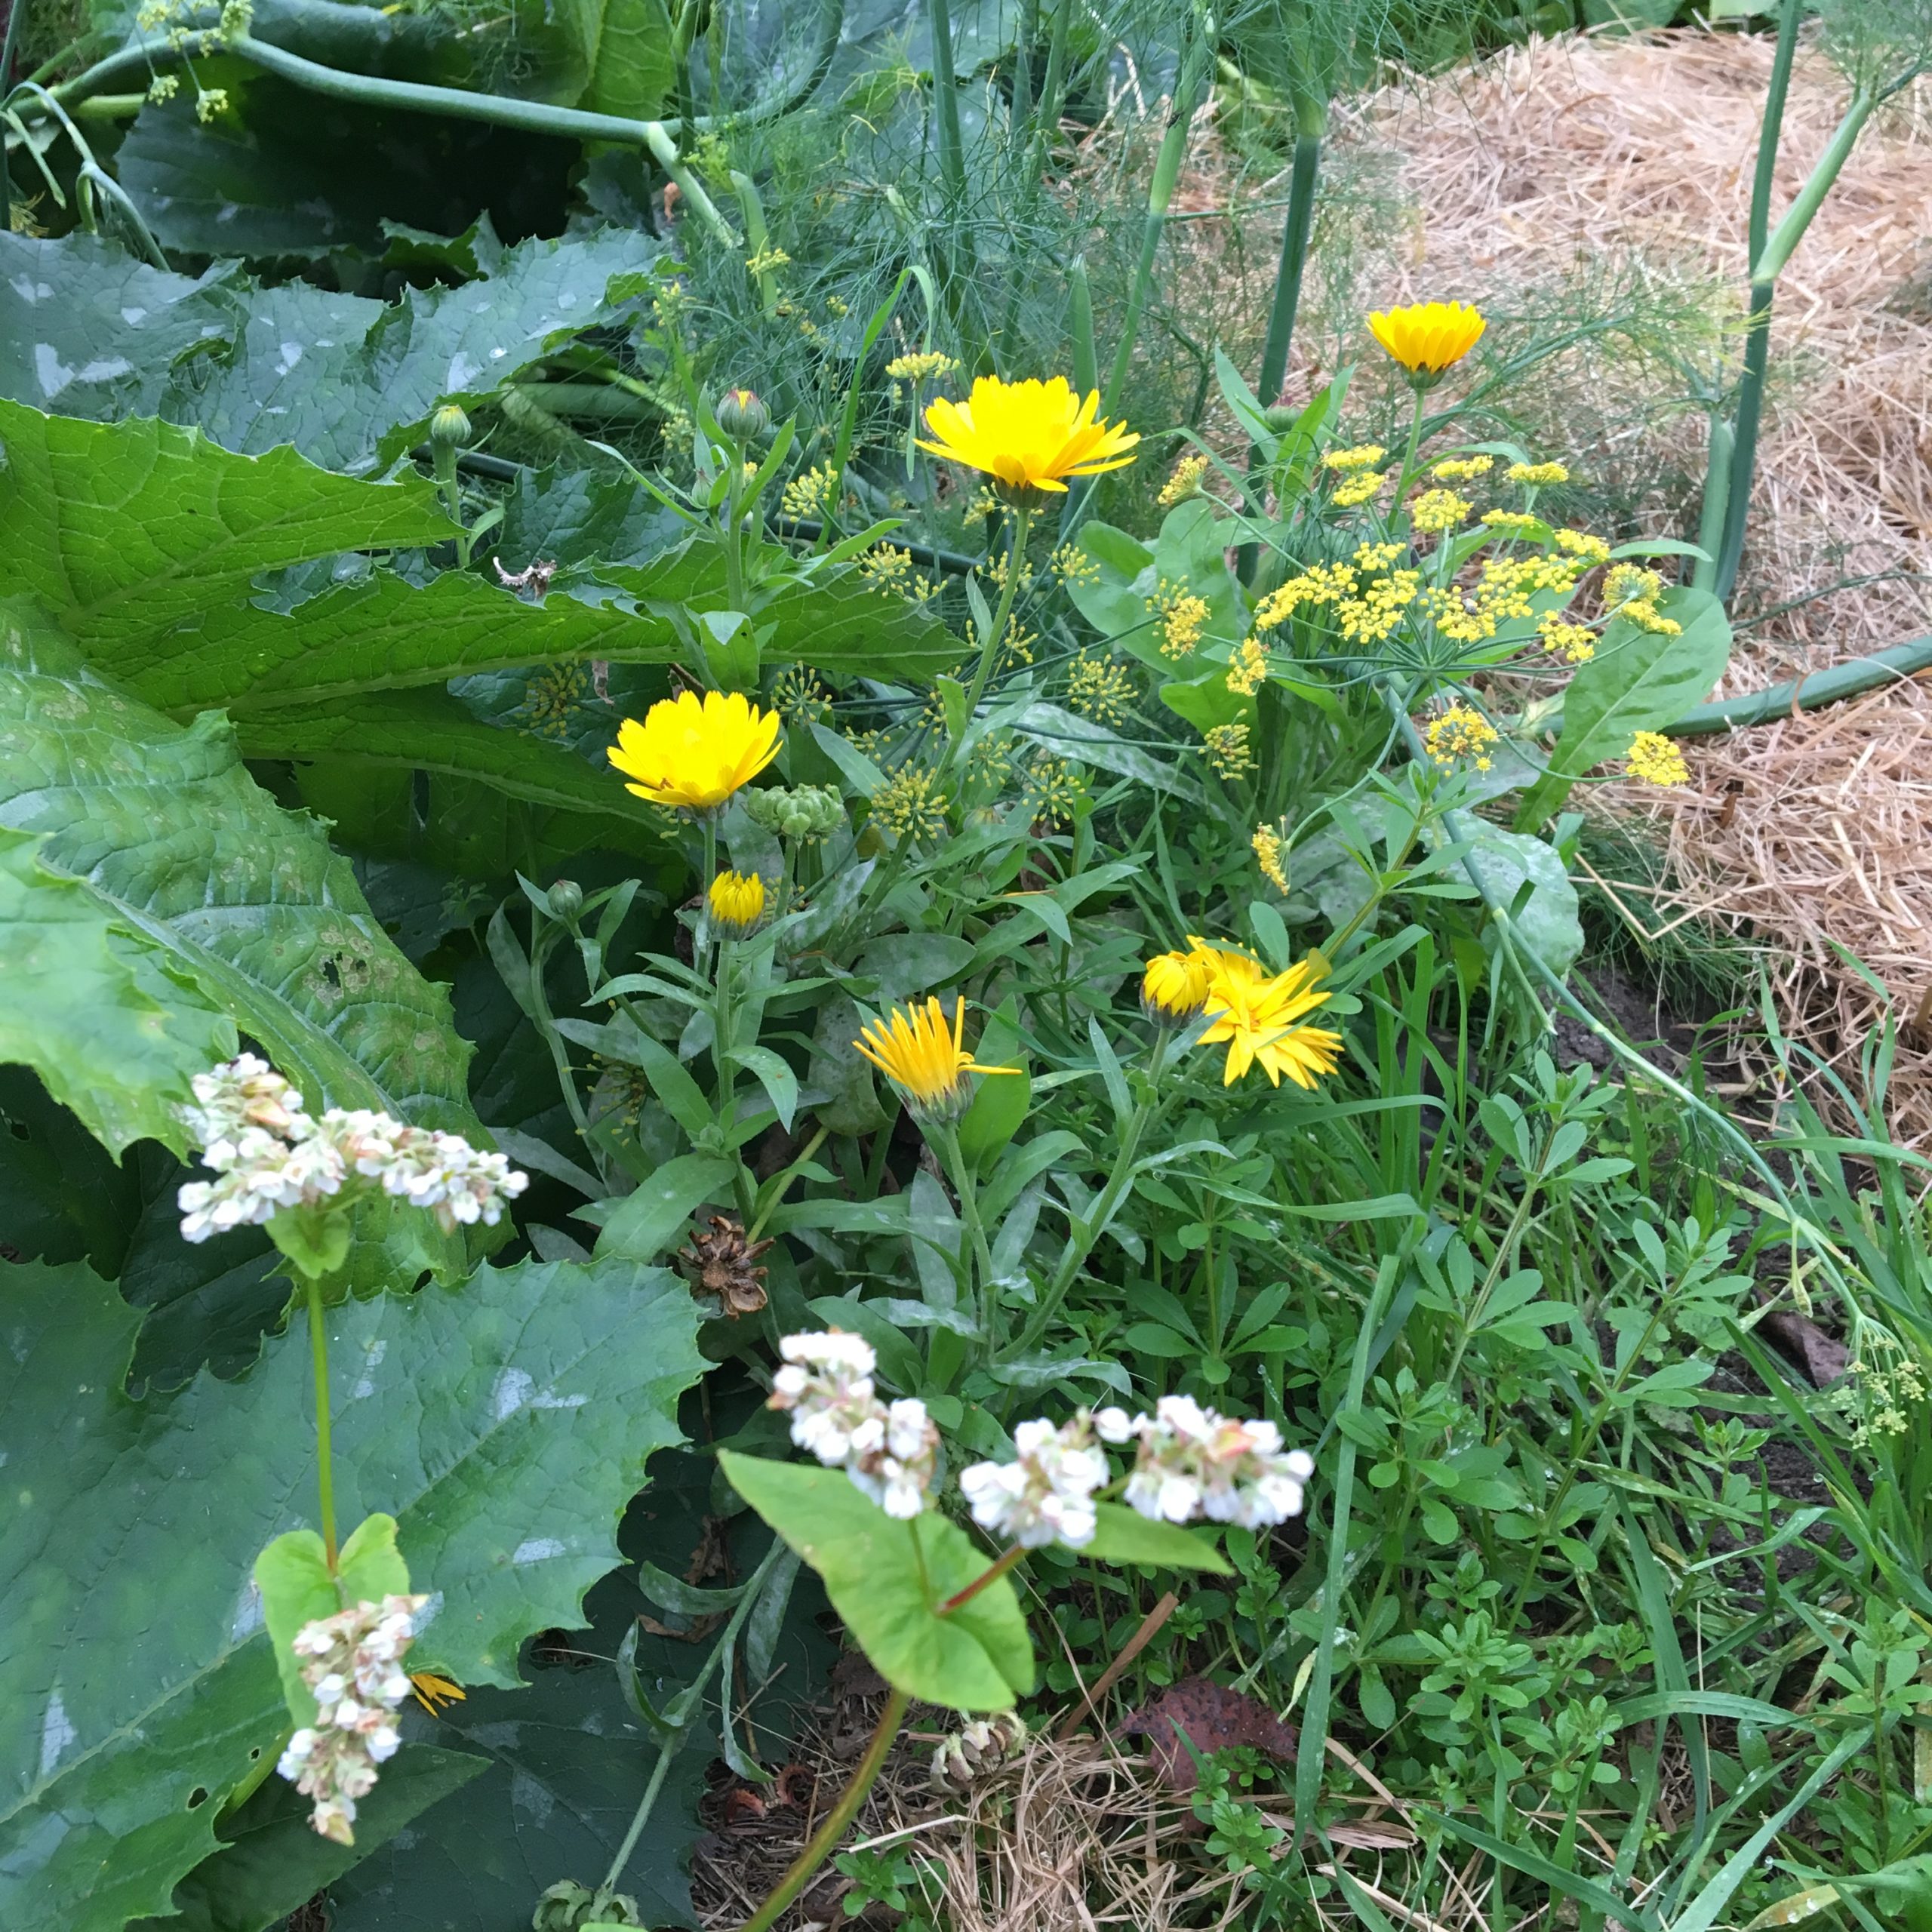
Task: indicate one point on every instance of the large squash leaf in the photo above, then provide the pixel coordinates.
(571, 1757)
(98, 1010)
(127, 530)
(349, 381)
(273, 1862)
(176, 842)
(504, 1425)
(147, 541)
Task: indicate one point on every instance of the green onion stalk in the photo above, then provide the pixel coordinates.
(1771, 250)
(1189, 88)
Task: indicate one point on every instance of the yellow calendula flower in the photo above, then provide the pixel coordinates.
(433, 1692)
(1428, 338)
(923, 1057)
(1267, 854)
(1029, 437)
(1254, 1014)
(1656, 759)
(737, 903)
(1174, 987)
(695, 753)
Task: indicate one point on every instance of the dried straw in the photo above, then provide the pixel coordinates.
(1812, 834)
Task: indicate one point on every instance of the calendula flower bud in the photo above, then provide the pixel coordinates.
(737, 903)
(565, 899)
(741, 415)
(449, 428)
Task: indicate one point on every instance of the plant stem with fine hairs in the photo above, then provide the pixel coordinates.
(318, 1347)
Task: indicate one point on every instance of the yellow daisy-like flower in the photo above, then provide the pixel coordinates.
(695, 753)
(1656, 759)
(737, 903)
(1029, 437)
(1429, 338)
(1174, 987)
(433, 1692)
(1253, 1014)
(923, 1057)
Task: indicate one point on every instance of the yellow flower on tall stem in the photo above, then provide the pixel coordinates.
(1029, 437)
(923, 1056)
(1428, 338)
(1254, 1014)
(695, 754)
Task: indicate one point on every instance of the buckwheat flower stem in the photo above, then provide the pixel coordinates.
(319, 1348)
(978, 1584)
(840, 1815)
(668, 1749)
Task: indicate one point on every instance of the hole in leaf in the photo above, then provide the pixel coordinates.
(197, 1797)
(19, 1129)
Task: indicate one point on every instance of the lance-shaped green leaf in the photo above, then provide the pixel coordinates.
(1638, 680)
(98, 1010)
(247, 902)
(888, 1579)
(504, 1424)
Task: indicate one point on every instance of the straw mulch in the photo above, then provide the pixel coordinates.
(1812, 834)
(1067, 1837)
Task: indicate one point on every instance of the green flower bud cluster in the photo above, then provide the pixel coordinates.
(806, 812)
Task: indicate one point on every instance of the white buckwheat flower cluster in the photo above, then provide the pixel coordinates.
(271, 1153)
(1194, 1463)
(888, 1449)
(352, 1662)
(1045, 1494)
